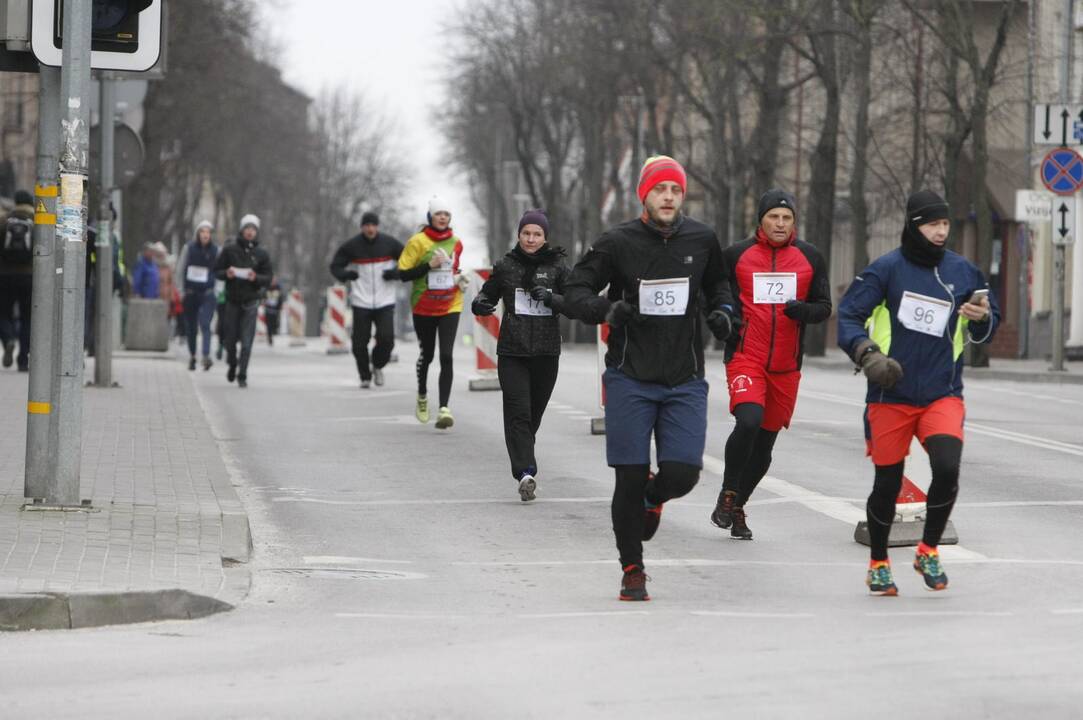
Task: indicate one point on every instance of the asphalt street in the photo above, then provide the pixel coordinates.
(397, 574)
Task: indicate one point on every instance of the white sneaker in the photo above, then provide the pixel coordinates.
(365, 384)
(527, 485)
(378, 376)
(444, 419)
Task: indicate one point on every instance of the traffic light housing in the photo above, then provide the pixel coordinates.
(114, 24)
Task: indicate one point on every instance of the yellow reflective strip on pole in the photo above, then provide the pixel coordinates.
(45, 190)
(44, 218)
(38, 408)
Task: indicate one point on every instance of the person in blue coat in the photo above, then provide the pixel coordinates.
(196, 271)
(905, 321)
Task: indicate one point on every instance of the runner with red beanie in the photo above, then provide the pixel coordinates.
(780, 285)
(663, 269)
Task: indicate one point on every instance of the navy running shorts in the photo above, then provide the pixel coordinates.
(676, 416)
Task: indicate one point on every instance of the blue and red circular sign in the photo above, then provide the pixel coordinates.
(1062, 171)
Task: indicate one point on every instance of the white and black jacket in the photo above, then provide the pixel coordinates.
(369, 259)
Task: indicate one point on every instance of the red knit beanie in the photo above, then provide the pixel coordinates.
(660, 168)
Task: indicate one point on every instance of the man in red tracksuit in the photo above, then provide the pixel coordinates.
(780, 284)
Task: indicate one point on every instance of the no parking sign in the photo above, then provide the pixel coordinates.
(1062, 171)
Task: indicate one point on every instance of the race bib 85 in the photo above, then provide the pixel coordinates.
(663, 297)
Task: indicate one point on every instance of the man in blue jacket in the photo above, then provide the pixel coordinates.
(905, 321)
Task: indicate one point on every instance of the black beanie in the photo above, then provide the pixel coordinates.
(774, 198)
(370, 218)
(923, 207)
(22, 197)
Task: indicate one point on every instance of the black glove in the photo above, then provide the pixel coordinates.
(721, 324)
(350, 275)
(390, 273)
(620, 313)
(879, 368)
(795, 310)
(482, 307)
(541, 294)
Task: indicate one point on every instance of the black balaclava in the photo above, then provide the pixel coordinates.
(922, 207)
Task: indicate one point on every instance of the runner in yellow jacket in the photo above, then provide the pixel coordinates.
(431, 261)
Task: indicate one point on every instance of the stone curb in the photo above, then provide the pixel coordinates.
(63, 611)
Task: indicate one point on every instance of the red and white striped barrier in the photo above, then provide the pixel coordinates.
(295, 318)
(261, 322)
(486, 337)
(335, 322)
(597, 424)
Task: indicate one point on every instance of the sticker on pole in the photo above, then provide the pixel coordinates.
(1062, 171)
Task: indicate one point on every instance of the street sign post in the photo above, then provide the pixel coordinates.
(1062, 171)
(1058, 125)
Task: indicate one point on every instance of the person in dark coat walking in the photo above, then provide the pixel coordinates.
(530, 282)
(195, 267)
(247, 270)
(17, 278)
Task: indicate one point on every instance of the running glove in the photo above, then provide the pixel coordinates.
(482, 307)
(547, 297)
(390, 273)
(721, 324)
(620, 313)
(350, 275)
(796, 310)
(879, 368)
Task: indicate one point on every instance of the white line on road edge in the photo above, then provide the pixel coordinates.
(343, 560)
(479, 501)
(601, 613)
(737, 614)
(1067, 611)
(658, 562)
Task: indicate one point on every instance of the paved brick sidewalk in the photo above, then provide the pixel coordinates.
(166, 513)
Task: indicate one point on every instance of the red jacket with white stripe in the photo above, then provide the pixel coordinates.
(764, 278)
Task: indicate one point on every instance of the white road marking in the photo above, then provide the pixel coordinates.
(399, 616)
(941, 613)
(478, 501)
(738, 614)
(1020, 503)
(343, 560)
(1067, 611)
(604, 613)
(393, 419)
(658, 562)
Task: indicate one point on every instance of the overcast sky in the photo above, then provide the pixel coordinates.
(396, 52)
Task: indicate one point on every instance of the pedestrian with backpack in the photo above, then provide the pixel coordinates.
(16, 279)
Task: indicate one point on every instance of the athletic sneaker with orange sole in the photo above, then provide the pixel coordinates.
(633, 586)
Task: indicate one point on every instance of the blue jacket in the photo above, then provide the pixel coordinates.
(202, 258)
(932, 364)
(145, 279)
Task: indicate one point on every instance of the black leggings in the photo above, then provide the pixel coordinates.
(945, 455)
(427, 328)
(527, 383)
(748, 453)
(673, 480)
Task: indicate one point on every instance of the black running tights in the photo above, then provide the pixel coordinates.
(673, 480)
(945, 454)
(428, 328)
(748, 453)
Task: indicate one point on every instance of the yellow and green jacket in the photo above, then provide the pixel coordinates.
(414, 265)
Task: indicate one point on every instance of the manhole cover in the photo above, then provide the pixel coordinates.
(347, 574)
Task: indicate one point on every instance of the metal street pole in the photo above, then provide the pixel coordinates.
(103, 248)
(39, 457)
(1059, 249)
(1024, 230)
(67, 415)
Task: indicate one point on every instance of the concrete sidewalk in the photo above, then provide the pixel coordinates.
(999, 369)
(165, 514)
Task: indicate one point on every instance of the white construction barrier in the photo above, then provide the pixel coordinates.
(487, 336)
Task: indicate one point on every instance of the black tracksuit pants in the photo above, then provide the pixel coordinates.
(363, 320)
(527, 383)
(429, 329)
(239, 325)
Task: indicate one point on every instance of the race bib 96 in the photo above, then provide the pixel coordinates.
(924, 314)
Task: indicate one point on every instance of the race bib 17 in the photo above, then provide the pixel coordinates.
(526, 305)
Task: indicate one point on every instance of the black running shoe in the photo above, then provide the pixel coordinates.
(652, 516)
(192, 363)
(9, 353)
(723, 511)
(740, 527)
(242, 381)
(231, 375)
(633, 586)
